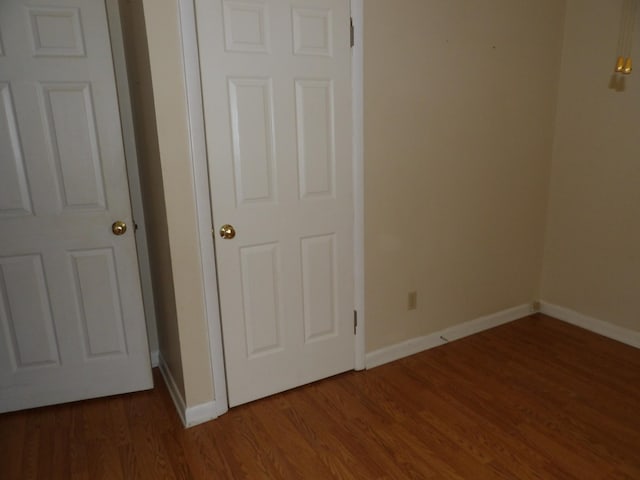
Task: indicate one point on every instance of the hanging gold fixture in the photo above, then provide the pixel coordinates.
(624, 63)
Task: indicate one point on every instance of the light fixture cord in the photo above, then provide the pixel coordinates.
(632, 16)
(622, 33)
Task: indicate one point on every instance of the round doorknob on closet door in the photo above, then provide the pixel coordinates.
(119, 228)
(227, 232)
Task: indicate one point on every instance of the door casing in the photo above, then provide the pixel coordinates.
(131, 160)
(198, 153)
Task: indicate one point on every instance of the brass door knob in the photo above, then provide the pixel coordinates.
(227, 232)
(119, 228)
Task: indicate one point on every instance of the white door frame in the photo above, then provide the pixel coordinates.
(357, 102)
(131, 160)
(198, 154)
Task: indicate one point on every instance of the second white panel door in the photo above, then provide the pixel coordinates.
(71, 315)
(277, 96)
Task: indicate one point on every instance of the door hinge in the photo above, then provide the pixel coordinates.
(353, 34)
(355, 321)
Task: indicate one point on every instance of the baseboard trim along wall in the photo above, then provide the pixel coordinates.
(155, 358)
(606, 329)
(190, 416)
(419, 344)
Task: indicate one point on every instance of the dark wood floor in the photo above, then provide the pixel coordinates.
(536, 398)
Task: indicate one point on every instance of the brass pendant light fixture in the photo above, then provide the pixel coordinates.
(628, 18)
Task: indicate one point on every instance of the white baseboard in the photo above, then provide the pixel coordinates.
(200, 413)
(155, 358)
(606, 329)
(190, 416)
(419, 344)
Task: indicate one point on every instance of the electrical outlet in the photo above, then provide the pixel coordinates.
(535, 306)
(412, 301)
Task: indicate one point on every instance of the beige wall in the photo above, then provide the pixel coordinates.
(592, 251)
(182, 327)
(138, 69)
(460, 101)
(459, 107)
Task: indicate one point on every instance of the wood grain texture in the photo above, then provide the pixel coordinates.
(533, 399)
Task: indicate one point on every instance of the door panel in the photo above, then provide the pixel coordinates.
(316, 149)
(98, 301)
(15, 198)
(319, 287)
(72, 140)
(55, 31)
(71, 317)
(27, 320)
(261, 298)
(252, 124)
(276, 90)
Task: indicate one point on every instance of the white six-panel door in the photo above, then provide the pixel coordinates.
(71, 316)
(277, 98)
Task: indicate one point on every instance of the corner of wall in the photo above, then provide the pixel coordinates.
(606, 329)
(189, 416)
(184, 335)
(548, 203)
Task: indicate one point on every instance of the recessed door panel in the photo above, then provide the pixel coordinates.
(316, 148)
(73, 142)
(14, 192)
(252, 125)
(312, 31)
(56, 31)
(26, 313)
(98, 301)
(245, 26)
(261, 299)
(319, 287)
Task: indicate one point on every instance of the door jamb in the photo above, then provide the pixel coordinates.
(116, 41)
(357, 99)
(198, 151)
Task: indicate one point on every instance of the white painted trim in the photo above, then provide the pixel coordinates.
(419, 344)
(201, 413)
(195, 112)
(606, 329)
(131, 160)
(404, 349)
(176, 396)
(190, 416)
(357, 92)
(155, 358)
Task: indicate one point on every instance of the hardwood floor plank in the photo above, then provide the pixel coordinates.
(329, 438)
(129, 462)
(275, 416)
(377, 422)
(77, 451)
(535, 399)
(12, 442)
(151, 458)
(54, 465)
(103, 459)
(30, 453)
(176, 457)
